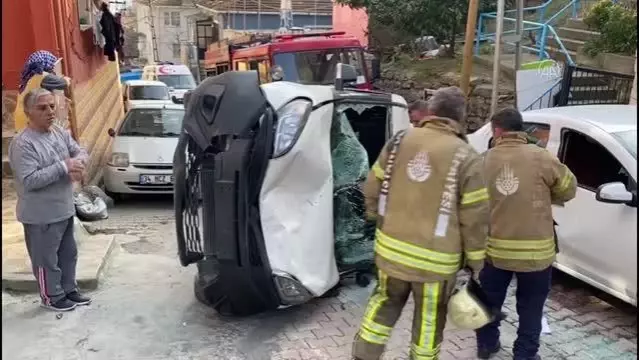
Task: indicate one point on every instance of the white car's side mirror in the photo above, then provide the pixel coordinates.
(614, 193)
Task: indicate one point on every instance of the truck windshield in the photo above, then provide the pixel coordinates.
(317, 67)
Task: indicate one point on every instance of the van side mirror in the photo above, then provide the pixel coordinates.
(344, 74)
(615, 193)
(111, 132)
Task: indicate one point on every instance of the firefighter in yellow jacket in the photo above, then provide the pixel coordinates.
(523, 181)
(428, 196)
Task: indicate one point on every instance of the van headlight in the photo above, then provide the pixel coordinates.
(291, 119)
(119, 159)
(290, 290)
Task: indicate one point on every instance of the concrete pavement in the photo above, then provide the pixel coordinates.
(93, 251)
(145, 309)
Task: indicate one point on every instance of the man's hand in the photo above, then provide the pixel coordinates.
(75, 168)
(74, 165)
(75, 176)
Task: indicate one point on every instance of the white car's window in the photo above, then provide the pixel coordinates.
(591, 162)
(149, 93)
(152, 123)
(538, 132)
(629, 140)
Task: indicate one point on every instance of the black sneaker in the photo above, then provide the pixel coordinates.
(78, 299)
(536, 357)
(63, 304)
(484, 353)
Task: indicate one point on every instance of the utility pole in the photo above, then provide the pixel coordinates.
(467, 67)
(259, 15)
(154, 40)
(286, 15)
(519, 31)
(497, 58)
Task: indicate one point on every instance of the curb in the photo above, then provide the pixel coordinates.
(93, 254)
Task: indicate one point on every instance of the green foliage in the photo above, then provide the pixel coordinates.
(598, 14)
(408, 19)
(617, 25)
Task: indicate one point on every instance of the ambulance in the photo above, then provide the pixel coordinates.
(178, 78)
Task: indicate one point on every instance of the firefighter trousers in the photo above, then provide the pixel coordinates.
(532, 291)
(384, 308)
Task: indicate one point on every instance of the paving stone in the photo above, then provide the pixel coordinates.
(602, 332)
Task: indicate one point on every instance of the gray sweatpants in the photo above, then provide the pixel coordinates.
(54, 255)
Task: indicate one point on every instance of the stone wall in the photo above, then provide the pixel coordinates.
(404, 84)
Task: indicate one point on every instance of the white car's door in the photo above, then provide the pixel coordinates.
(597, 240)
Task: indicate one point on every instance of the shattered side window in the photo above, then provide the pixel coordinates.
(354, 234)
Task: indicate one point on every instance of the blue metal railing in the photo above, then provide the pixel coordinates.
(547, 97)
(543, 28)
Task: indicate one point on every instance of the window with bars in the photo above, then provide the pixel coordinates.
(204, 33)
(85, 14)
(172, 18)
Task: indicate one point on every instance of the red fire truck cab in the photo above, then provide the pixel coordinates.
(309, 58)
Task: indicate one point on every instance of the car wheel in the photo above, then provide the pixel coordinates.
(115, 196)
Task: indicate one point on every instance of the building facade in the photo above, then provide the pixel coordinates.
(352, 21)
(64, 27)
(179, 23)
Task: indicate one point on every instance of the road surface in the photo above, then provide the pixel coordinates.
(145, 309)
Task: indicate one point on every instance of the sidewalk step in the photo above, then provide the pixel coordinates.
(569, 44)
(92, 256)
(576, 24)
(558, 54)
(576, 34)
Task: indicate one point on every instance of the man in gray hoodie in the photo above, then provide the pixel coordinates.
(46, 160)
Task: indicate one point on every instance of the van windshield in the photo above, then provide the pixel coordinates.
(178, 81)
(317, 67)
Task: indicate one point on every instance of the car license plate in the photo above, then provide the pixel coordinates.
(156, 179)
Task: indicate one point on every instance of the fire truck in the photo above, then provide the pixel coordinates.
(307, 58)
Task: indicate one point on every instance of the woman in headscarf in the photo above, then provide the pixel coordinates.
(38, 65)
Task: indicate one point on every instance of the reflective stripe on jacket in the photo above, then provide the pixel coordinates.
(524, 180)
(436, 212)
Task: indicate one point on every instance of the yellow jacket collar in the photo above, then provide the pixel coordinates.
(512, 138)
(443, 124)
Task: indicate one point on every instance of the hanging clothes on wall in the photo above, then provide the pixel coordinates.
(120, 37)
(110, 32)
(98, 38)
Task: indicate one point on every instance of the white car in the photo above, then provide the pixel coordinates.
(136, 92)
(596, 231)
(141, 159)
